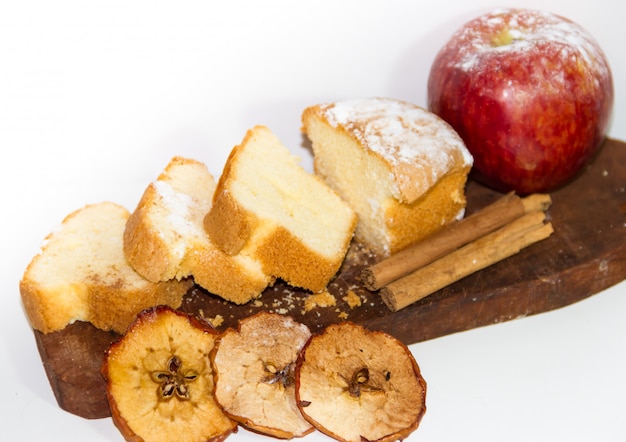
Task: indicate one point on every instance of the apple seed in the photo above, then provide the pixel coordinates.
(285, 376)
(359, 381)
(173, 382)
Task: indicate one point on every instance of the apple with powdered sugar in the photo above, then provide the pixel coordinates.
(529, 92)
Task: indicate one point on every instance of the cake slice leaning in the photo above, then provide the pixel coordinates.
(400, 167)
(165, 238)
(268, 208)
(81, 274)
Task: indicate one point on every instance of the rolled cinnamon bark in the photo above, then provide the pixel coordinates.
(480, 223)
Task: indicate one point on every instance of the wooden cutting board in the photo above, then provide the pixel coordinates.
(586, 254)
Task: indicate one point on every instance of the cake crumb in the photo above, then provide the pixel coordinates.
(342, 315)
(215, 322)
(323, 299)
(352, 299)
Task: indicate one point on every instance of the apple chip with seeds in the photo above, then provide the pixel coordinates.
(254, 374)
(160, 382)
(354, 385)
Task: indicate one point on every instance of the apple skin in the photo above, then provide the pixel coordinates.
(530, 93)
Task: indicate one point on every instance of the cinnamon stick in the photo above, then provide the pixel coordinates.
(477, 255)
(462, 232)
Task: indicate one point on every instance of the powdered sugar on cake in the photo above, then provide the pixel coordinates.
(407, 136)
(179, 216)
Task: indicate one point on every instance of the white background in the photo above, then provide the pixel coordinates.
(96, 97)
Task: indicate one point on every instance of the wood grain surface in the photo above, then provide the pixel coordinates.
(586, 254)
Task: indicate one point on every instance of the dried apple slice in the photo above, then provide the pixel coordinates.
(254, 374)
(160, 382)
(354, 384)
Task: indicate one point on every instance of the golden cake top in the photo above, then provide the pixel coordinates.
(419, 147)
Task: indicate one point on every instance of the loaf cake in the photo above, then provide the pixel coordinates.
(81, 275)
(268, 208)
(165, 238)
(400, 167)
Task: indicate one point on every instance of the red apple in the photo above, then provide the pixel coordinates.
(529, 92)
